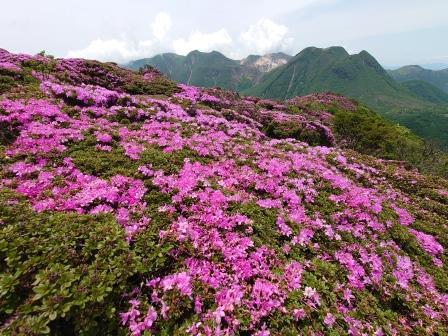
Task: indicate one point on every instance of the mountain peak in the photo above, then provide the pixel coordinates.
(413, 68)
(334, 50)
(205, 53)
(437, 78)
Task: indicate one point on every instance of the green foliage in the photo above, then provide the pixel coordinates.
(171, 162)
(264, 226)
(65, 274)
(100, 163)
(61, 272)
(284, 130)
(23, 84)
(8, 134)
(323, 205)
(106, 164)
(43, 68)
(159, 86)
(7, 81)
(367, 132)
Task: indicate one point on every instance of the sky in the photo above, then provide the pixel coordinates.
(396, 32)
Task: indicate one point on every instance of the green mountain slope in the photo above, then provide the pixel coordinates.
(358, 76)
(213, 68)
(333, 69)
(426, 91)
(438, 78)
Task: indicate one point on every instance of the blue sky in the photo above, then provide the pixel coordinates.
(395, 32)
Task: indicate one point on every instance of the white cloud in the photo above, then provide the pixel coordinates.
(122, 50)
(265, 36)
(262, 37)
(202, 41)
(161, 25)
(113, 50)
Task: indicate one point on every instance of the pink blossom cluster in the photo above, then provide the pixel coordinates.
(65, 188)
(195, 95)
(430, 245)
(10, 66)
(85, 94)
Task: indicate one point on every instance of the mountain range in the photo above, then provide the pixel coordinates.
(417, 102)
(214, 69)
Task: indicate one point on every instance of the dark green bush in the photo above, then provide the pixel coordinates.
(294, 130)
(160, 86)
(6, 83)
(106, 164)
(60, 272)
(368, 133)
(8, 134)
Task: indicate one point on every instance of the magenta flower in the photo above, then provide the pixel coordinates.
(329, 320)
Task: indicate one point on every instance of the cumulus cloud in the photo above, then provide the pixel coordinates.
(266, 36)
(122, 50)
(161, 25)
(114, 50)
(262, 37)
(202, 41)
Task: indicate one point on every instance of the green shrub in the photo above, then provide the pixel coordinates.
(160, 86)
(284, 130)
(6, 83)
(60, 272)
(106, 164)
(264, 225)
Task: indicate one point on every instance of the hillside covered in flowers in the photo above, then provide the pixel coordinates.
(133, 205)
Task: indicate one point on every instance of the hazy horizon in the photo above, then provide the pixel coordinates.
(398, 33)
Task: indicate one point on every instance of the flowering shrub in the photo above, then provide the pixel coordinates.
(122, 212)
(9, 67)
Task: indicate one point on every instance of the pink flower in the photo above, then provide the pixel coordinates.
(299, 314)
(309, 292)
(329, 320)
(103, 137)
(404, 217)
(428, 243)
(404, 271)
(181, 281)
(283, 227)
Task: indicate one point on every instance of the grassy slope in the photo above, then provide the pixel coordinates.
(426, 91)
